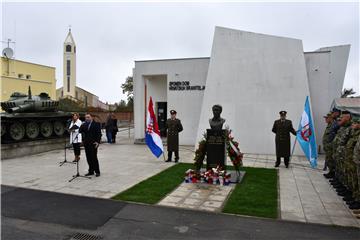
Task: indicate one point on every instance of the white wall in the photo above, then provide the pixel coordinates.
(318, 72)
(254, 76)
(339, 56)
(186, 103)
(326, 71)
(156, 88)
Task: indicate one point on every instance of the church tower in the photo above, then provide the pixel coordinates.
(69, 66)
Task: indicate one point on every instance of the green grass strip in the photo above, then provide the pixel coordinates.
(155, 188)
(256, 195)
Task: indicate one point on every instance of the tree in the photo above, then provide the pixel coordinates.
(128, 88)
(347, 92)
(68, 105)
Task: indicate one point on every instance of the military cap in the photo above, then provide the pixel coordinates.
(282, 112)
(328, 115)
(356, 119)
(173, 112)
(345, 112)
(335, 110)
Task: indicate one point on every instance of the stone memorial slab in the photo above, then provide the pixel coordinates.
(215, 148)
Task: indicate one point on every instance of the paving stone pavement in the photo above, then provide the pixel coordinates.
(122, 165)
(200, 196)
(305, 195)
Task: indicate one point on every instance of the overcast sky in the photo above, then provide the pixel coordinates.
(110, 36)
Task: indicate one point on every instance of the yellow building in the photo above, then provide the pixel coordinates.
(17, 76)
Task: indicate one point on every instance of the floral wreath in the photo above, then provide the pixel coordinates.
(232, 149)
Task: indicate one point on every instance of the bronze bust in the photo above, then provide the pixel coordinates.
(216, 123)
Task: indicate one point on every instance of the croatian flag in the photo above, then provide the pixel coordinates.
(152, 133)
(306, 135)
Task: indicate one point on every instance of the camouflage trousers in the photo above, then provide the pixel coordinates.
(329, 159)
(351, 176)
(339, 157)
(356, 192)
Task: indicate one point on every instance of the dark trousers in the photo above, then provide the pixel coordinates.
(91, 157)
(113, 136)
(278, 160)
(76, 147)
(170, 155)
(109, 136)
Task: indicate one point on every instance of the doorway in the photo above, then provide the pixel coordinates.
(162, 117)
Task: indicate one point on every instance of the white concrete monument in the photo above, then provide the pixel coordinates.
(254, 76)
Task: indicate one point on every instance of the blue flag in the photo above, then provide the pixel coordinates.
(306, 135)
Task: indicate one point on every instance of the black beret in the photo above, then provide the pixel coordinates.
(173, 112)
(335, 110)
(282, 112)
(345, 112)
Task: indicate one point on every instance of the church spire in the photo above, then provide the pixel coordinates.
(69, 38)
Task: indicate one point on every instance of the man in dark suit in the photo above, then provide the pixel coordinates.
(282, 128)
(91, 131)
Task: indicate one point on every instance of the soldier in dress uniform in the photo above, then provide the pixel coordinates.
(173, 127)
(282, 128)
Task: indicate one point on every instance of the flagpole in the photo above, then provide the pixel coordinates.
(292, 152)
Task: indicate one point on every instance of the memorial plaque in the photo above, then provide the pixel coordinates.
(215, 148)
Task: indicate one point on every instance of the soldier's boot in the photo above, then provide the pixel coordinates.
(348, 198)
(176, 156)
(169, 156)
(325, 166)
(354, 205)
(278, 160)
(356, 211)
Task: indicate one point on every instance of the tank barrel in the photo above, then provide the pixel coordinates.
(20, 108)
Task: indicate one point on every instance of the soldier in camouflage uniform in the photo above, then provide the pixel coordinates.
(330, 148)
(326, 141)
(356, 160)
(339, 144)
(351, 166)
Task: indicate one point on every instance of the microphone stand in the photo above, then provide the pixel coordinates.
(77, 175)
(65, 161)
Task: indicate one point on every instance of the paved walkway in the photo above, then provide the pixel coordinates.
(200, 196)
(122, 165)
(305, 195)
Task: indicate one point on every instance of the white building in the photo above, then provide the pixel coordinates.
(253, 76)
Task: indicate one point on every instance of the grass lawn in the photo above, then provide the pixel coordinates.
(155, 188)
(255, 196)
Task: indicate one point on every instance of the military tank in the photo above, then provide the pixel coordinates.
(27, 118)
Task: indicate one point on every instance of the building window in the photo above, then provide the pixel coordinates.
(68, 83)
(68, 67)
(28, 76)
(20, 75)
(76, 94)
(68, 48)
(62, 93)
(74, 49)
(85, 101)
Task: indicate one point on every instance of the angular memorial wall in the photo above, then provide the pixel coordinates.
(254, 76)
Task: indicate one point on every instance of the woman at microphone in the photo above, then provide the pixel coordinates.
(75, 135)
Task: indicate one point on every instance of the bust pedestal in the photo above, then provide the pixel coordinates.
(215, 148)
